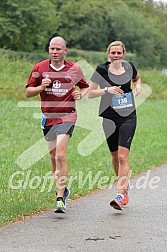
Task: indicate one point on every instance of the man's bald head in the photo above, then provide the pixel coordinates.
(58, 40)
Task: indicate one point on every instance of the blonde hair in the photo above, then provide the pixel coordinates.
(116, 43)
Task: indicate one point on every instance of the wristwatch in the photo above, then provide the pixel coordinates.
(106, 90)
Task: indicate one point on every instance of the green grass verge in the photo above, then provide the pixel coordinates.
(19, 131)
(15, 72)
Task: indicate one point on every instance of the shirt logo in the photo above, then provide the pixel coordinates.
(56, 84)
(67, 77)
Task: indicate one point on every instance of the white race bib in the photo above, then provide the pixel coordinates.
(122, 101)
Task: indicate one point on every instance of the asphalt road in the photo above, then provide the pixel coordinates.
(90, 224)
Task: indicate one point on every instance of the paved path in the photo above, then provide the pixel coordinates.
(90, 224)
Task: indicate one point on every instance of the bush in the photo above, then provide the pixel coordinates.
(92, 57)
(13, 55)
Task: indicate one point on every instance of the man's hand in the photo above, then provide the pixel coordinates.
(45, 82)
(77, 95)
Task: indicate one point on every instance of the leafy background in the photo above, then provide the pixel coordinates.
(87, 25)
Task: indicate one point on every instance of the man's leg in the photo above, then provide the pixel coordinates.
(57, 151)
(52, 153)
(61, 163)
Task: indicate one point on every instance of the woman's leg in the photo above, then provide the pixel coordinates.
(124, 169)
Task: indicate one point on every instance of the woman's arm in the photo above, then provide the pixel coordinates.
(137, 85)
(93, 92)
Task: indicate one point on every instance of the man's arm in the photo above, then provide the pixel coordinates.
(79, 94)
(34, 91)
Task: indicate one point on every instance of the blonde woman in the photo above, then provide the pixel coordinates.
(112, 82)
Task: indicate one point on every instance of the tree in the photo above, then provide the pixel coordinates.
(25, 25)
(85, 23)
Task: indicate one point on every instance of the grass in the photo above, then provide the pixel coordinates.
(150, 147)
(14, 75)
(157, 81)
(20, 131)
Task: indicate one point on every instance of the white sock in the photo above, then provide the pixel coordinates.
(121, 195)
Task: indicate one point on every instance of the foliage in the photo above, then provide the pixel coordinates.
(15, 71)
(87, 25)
(89, 22)
(20, 55)
(24, 24)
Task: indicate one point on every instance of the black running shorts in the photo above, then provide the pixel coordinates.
(51, 132)
(121, 134)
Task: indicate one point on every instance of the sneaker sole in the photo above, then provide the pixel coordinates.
(115, 205)
(59, 210)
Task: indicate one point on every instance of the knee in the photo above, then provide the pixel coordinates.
(60, 158)
(114, 156)
(122, 159)
(52, 157)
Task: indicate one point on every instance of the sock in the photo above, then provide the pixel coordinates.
(120, 195)
(59, 198)
(64, 190)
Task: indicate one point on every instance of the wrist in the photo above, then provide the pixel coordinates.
(42, 88)
(105, 90)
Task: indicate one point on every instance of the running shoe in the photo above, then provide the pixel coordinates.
(126, 198)
(126, 195)
(66, 195)
(60, 207)
(117, 202)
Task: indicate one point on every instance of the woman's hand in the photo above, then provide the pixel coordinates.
(137, 90)
(116, 90)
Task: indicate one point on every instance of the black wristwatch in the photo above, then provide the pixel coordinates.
(106, 90)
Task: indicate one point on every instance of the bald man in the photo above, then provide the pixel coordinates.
(55, 80)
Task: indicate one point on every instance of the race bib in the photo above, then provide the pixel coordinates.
(122, 101)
